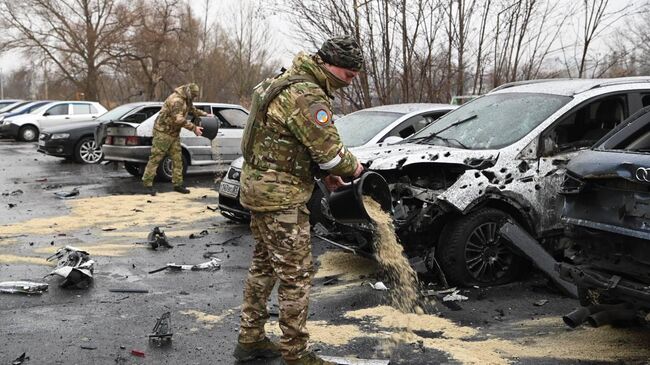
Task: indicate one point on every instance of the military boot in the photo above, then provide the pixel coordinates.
(309, 358)
(182, 189)
(261, 349)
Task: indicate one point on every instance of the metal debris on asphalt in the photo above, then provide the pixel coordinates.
(67, 194)
(20, 359)
(211, 265)
(214, 209)
(162, 330)
(137, 353)
(22, 287)
(353, 361)
(454, 297)
(201, 234)
(379, 286)
(540, 302)
(75, 267)
(158, 238)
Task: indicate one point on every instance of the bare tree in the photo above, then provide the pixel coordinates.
(78, 36)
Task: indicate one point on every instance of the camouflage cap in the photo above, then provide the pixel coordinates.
(342, 51)
(194, 88)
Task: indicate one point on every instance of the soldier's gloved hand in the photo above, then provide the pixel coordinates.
(198, 130)
(333, 182)
(359, 170)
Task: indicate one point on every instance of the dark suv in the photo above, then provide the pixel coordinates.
(607, 209)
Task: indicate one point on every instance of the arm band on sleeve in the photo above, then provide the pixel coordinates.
(333, 162)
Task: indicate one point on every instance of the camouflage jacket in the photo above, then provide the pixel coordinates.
(174, 112)
(295, 135)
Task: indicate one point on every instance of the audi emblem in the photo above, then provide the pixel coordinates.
(643, 174)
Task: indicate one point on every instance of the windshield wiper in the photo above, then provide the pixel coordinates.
(436, 134)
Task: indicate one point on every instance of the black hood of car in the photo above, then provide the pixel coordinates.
(599, 164)
(67, 128)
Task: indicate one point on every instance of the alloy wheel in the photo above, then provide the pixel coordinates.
(487, 256)
(89, 152)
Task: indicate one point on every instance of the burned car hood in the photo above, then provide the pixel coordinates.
(396, 156)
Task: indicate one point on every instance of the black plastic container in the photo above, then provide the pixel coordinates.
(346, 203)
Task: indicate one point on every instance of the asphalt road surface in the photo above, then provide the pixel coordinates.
(517, 323)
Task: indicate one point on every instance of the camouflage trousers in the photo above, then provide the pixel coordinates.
(283, 253)
(164, 145)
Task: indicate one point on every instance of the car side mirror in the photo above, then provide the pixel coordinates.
(393, 139)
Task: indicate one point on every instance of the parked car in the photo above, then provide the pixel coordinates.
(26, 127)
(7, 104)
(500, 156)
(607, 210)
(24, 108)
(130, 143)
(366, 127)
(77, 140)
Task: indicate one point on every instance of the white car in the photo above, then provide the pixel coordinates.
(367, 127)
(26, 127)
(130, 142)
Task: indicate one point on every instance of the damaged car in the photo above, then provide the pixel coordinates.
(607, 211)
(381, 124)
(500, 156)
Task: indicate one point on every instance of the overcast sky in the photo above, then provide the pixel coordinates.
(278, 25)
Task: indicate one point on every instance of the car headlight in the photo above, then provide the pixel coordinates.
(60, 135)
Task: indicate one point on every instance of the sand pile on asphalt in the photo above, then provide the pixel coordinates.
(344, 265)
(389, 254)
(119, 212)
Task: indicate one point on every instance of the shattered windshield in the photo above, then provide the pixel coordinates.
(492, 121)
(358, 128)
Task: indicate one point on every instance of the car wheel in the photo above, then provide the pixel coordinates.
(87, 151)
(472, 252)
(28, 133)
(165, 169)
(134, 169)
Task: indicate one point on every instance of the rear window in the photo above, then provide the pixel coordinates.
(81, 109)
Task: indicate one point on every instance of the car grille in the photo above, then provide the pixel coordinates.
(234, 174)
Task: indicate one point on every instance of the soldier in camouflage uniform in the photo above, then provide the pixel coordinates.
(166, 139)
(289, 133)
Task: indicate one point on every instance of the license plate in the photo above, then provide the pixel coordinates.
(119, 141)
(230, 190)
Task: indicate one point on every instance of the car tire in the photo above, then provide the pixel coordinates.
(472, 252)
(164, 172)
(134, 169)
(28, 133)
(86, 151)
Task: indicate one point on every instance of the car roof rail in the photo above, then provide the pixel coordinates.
(617, 81)
(526, 82)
